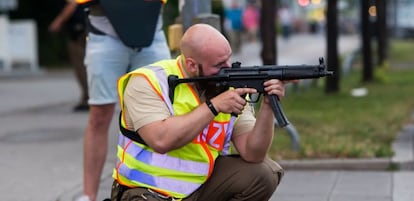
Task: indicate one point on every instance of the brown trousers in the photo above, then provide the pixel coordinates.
(232, 179)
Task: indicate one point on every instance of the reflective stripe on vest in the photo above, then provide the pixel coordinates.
(179, 172)
(162, 160)
(153, 167)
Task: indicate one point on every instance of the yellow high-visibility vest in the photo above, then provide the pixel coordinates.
(180, 172)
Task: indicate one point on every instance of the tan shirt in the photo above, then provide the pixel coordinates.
(144, 106)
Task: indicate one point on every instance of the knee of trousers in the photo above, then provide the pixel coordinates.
(267, 174)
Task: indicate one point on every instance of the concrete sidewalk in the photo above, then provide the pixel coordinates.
(41, 142)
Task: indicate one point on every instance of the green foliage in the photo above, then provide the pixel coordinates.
(402, 51)
(380, 73)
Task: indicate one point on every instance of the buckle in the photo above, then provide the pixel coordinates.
(163, 197)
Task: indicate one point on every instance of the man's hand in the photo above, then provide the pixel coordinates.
(274, 87)
(232, 101)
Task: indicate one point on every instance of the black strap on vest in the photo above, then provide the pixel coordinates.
(172, 83)
(93, 29)
(134, 136)
(86, 10)
(134, 21)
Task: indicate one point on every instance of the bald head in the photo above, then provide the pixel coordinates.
(203, 39)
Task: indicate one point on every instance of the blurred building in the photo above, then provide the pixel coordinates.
(400, 18)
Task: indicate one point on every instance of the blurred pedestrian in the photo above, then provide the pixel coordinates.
(72, 20)
(123, 35)
(285, 19)
(235, 26)
(250, 19)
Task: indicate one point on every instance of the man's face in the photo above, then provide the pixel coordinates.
(211, 89)
(215, 58)
(207, 69)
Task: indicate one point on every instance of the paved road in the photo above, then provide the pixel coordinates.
(300, 49)
(345, 186)
(40, 137)
(41, 141)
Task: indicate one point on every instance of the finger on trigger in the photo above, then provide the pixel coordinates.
(249, 90)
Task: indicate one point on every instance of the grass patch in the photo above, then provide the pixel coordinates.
(401, 51)
(343, 126)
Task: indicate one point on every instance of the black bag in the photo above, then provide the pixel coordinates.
(134, 21)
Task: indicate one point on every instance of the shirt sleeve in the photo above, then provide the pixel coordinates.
(142, 104)
(245, 122)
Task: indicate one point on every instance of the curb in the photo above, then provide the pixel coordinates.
(376, 164)
(369, 164)
(403, 159)
(403, 147)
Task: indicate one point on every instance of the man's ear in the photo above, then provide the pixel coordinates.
(191, 66)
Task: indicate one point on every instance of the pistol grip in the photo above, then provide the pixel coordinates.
(234, 114)
(277, 111)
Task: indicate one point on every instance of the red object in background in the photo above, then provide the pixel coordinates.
(303, 2)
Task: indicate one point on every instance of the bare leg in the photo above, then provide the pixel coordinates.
(96, 146)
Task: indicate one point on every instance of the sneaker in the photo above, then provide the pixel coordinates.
(83, 198)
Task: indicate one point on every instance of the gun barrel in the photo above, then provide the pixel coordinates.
(295, 73)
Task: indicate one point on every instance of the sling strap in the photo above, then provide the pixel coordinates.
(134, 136)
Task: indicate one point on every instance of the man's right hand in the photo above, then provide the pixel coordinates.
(232, 101)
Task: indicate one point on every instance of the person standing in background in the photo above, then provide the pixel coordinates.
(235, 26)
(123, 35)
(285, 19)
(251, 17)
(73, 20)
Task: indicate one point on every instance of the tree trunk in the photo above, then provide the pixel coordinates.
(382, 34)
(332, 82)
(268, 32)
(366, 27)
